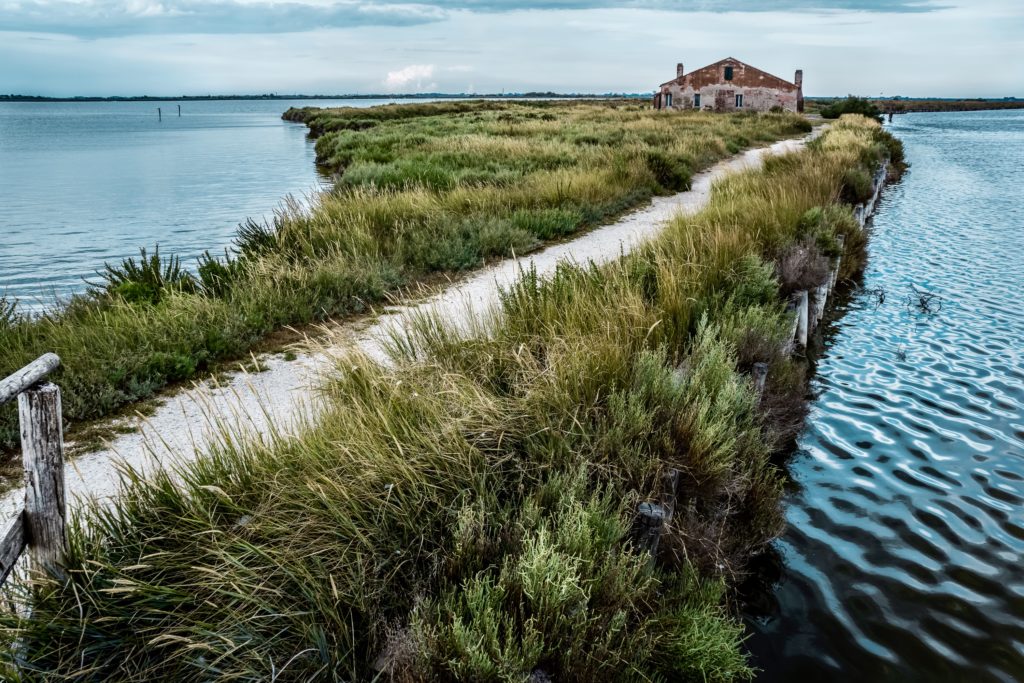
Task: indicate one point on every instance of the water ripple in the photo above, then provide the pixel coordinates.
(904, 558)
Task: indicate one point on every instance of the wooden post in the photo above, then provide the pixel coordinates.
(670, 484)
(159, 114)
(11, 545)
(179, 111)
(42, 447)
(793, 313)
(760, 374)
(839, 259)
(650, 521)
(820, 297)
(802, 317)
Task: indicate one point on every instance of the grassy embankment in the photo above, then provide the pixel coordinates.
(424, 189)
(465, 514)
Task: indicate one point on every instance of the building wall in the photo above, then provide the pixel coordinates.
(761, 91)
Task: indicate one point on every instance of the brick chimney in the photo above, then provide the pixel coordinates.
(679, 70)
(798, 80)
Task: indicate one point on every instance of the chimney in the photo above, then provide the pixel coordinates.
(798, 80)
(679, 70)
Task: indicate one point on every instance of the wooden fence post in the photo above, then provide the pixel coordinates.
(760, 373)
(803, 317)
(820, 298)
(650, 522)
(42, 447)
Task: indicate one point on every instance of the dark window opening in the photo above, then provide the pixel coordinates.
(696, 101)
(739, 100)
(728, 73)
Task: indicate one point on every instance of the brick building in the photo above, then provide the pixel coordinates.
(730, 85)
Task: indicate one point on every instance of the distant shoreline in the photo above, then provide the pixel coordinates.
(377, 96)
(898, 105)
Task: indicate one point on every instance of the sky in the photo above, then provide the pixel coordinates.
(914, 48)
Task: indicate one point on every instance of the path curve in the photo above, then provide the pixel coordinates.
(281, 397)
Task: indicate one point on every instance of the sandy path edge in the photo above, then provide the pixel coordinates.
(280, 397)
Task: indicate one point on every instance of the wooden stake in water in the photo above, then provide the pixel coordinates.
(802, 317)
(159, 114)
(179, 111)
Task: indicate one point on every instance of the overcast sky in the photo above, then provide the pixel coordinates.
(168, 47)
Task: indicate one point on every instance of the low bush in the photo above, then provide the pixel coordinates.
(852, 105)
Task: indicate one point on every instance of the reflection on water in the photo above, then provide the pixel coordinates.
(904, 557)
(83, 183)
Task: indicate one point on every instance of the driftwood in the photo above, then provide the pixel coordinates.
(34, 372)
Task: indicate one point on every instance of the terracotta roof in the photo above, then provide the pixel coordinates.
(744, 76)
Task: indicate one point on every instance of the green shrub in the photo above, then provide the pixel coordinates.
(147, 280)
(852, 105)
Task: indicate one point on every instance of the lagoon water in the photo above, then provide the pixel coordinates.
(82, 183)
(904, 557)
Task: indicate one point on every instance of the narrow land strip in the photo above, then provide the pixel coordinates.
(283, 395)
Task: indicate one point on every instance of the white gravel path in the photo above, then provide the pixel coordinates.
(281, 396)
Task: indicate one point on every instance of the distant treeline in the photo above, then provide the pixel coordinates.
(905, 104)
(378, 96)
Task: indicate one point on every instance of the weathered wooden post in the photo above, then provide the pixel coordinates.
(159, 114)
(179, 111)
(793, 312)
(760, 374)
(42, 447)
(820, 297)
(647, 528)
(839, 259)
(802, 317)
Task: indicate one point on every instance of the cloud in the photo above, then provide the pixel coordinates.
(413, 76)
(902, 6)
(105, 18)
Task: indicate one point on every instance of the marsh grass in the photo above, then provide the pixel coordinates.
(422, 190)
(464, 513)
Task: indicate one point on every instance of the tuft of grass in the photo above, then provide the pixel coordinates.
(421, 189)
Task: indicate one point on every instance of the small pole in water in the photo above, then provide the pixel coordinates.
(159, 114)
(179, 111)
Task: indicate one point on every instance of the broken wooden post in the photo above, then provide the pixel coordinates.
(159, 114)
(647, 528)
(802, 317)
(760, 374)
(42, 447)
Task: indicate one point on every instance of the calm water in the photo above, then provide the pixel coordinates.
(904, 558)
(84, 183)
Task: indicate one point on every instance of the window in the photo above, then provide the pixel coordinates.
(696, 101)
(739, 101)
(668, 100)
(728, 73)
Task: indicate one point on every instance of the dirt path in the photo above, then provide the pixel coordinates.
(281, 398)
